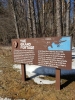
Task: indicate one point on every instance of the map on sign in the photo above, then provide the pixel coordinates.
(63, 44)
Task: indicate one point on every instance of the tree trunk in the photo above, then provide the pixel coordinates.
(15, 22)
(33, 18)
(63, 17)
(23, 20)
(68, 18)
(73, 35)
(53, 13)
(29, 18)
(38, 21)
(58, 18)
(43, 18)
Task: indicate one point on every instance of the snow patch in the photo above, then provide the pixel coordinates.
(35, 72)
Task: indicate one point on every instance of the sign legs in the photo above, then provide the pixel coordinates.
(23, 69)
(58, 71)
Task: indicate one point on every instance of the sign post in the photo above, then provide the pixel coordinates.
(23, 69)
(50, 51)
(58, 72)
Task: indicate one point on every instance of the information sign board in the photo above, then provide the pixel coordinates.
(50, 51)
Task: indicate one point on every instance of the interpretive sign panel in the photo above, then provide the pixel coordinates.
(51, 51)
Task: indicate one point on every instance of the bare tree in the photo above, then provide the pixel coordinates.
(14, 16)
(68, 18)
(43, 17)
(32, 12)
(38, 19)
(64, 4)
(58, 18)
(29, 18)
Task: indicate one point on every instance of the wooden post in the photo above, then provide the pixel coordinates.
(23, 69)
(58, 71)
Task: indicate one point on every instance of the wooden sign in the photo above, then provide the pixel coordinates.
(51, 51)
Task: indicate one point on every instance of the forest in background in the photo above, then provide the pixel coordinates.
(36, 18)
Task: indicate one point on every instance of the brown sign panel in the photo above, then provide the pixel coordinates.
(51, 51)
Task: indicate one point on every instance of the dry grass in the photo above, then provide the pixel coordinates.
(11, 85)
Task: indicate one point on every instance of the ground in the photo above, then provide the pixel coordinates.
(12, 86)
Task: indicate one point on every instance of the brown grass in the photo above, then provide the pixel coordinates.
(13, 87)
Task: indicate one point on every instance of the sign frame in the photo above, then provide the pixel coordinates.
(33, 45)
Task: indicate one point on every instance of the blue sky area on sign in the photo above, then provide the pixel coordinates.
(64, 44)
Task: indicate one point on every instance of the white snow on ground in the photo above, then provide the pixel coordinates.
(9, 99)
(4, 98)
(73, 64)
(35, 72)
